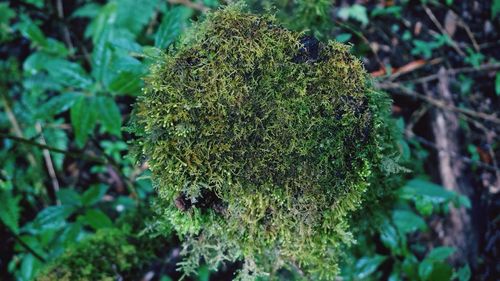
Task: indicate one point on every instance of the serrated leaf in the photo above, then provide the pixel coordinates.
(109, 115)
(9, 215)
(83, 119)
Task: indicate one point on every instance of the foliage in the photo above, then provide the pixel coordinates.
(263, 141)
(71, 70)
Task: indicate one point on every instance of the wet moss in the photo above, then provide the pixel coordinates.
(263, 143)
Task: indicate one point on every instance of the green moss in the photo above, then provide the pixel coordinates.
(109, 254)
(102, 256)
(263, 143)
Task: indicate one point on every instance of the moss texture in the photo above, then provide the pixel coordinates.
(263, 142)
(118, 253)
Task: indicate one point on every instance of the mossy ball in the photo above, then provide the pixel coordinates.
(262, 143)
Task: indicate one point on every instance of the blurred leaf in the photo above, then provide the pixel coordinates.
(389, 237)
(68, 73)
(343, 37)
(83, 119)
(109, 115)
(441, 272)
(9, 215)
(463, 274)
(356, 12)
(407, 221)
(96, 219)
(367, 265)
(497, 82)
(89, 10)
(69, 197)
(440, 253)
(425, 269)
(58, 104)
(203, 273)
(434, 192)
(51, 218)
(134, 14)
(94, 194)
(171, 27)
(495, 8)
(27, 265)
(31, 31)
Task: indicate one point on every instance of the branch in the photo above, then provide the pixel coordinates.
(56, 150)
(439, 103)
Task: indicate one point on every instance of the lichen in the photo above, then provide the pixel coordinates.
(263, 143)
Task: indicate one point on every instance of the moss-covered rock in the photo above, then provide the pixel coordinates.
(263, 142)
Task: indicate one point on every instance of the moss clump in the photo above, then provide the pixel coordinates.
(263, 142)
(103, 256)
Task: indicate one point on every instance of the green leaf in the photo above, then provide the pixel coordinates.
(69, 197)
(367, 265)
(27, 265)
(109, 115)
(51, 218)
(464, 274)
(9, 215)
(425, 269)
(134, 14)
(495, 8)
(68, 73)
(356, 12)
(343, 37)
(497, 82)
(203, 273)
(89, 10)
(171, 26)
(83, 119)
(441, 272)
(389, 237)
(57, 104)
(432, 191)
(440, 253)
(94, 194)
(407, 221)
(30, 30)
(96, 219)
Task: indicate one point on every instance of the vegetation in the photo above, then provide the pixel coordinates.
(264, 141)
(85, 196)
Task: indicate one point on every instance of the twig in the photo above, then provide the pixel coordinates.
(48, 162)
(72, 154)
(442, 30)
(411, 135)
(439, 103)
(455, 71)
(196, 6)
(15, 126)
(25, 245)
